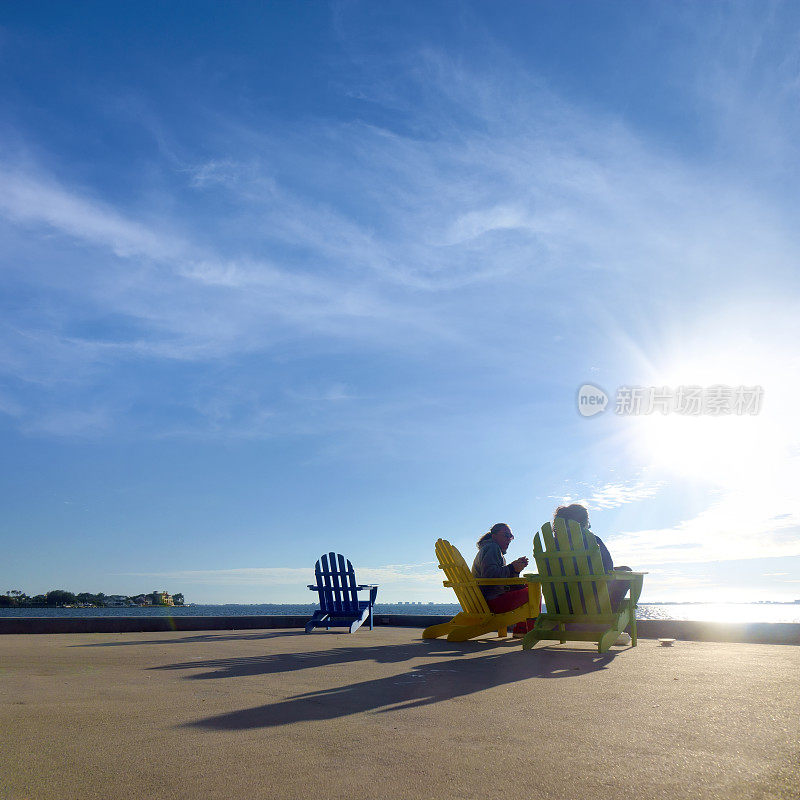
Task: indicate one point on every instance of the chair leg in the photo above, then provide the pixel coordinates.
(540, 630)
(359, 621)
(607, 639)
(434, 631)
(315, 621)
(464, 632)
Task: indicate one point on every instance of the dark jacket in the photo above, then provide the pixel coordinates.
(490, 563)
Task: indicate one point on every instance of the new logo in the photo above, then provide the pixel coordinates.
(591, 400)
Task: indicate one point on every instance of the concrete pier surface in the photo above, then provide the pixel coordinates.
(382, 714)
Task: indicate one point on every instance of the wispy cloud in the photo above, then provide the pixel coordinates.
(613, 495)
(28, 199)
(418, 576)
(672, 582)
(377, 238)
(732, 528)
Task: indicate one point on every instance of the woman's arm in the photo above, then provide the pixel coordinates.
(608, 562)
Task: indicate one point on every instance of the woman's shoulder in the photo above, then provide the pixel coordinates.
(489, 547)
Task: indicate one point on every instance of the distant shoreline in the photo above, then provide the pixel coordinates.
(772, 612)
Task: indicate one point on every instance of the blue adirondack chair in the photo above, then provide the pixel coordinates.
(339, 605)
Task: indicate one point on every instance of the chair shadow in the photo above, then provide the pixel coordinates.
(289, 662)
(203, 637)
(422, 685)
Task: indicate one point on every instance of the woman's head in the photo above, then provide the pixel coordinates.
(575, 512)
(500, 533)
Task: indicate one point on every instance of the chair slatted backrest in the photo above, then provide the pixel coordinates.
(336, 583)
(459, 574)
(573, 554)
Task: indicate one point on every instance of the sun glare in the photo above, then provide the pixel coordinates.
(719, 450)
(729, 450)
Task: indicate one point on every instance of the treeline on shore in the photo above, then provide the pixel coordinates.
(59, 598)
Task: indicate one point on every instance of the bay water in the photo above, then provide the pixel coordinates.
(706, 612)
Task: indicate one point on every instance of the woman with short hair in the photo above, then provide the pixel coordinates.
(579, 513)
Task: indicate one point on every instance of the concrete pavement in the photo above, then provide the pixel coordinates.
(382, 714)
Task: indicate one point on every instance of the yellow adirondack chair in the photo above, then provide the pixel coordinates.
(476, 619)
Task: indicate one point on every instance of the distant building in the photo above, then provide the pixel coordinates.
(161, 599)
(142, 600)
(116, 600)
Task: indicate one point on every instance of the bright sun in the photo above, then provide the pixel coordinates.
(722, 450)
(727, 450)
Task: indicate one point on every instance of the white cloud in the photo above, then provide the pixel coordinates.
(422, 233)
(31, 200)
(734, 527)
(675, 583)
(263, 576)
(419, 576)
(613, 495)
(415, 575)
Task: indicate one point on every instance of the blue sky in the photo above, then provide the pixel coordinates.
(283, 278)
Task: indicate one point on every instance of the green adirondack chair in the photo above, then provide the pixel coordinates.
(575, 589)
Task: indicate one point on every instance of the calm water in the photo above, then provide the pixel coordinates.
(711, 612)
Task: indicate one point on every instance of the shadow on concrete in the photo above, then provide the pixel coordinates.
(422, 685)
(204, 637)
(288, 662)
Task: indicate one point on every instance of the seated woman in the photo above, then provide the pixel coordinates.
(490, 563)
(578, 513)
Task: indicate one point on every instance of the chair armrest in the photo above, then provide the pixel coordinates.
(625, 575)
(606, 577)
(367, 586)
(488, 582)
(521, 581)
(636, 580)
(316, 588)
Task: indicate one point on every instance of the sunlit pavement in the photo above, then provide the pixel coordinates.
(262, 714)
